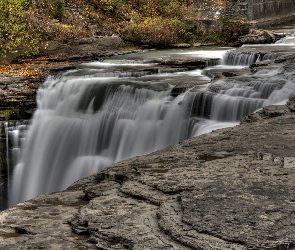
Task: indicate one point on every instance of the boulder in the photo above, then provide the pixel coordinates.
(257, 36)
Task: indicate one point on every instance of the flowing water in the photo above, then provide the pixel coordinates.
(107, 111)
(12, 135)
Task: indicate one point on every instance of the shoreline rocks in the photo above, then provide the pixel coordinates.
(258, 36)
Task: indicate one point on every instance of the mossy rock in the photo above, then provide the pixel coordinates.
(9, 114)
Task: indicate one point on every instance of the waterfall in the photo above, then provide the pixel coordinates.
(288, 40)
(3, 169)
(85, 123)
(232, 57)
(11, 137)
(105, 112)
(236, 99)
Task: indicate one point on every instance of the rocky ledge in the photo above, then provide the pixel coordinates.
(231, 189)
(20, 79)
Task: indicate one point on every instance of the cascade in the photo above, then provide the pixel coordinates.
(90, 122)
(11, 136)
(3, 169)
(288, 40)
(232, 57)
(105, 112)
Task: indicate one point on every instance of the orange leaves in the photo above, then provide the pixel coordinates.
(27, 68)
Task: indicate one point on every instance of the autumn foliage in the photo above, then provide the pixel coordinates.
(14, 35)
(24, 24)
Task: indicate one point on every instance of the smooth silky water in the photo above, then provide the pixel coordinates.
(107, 111)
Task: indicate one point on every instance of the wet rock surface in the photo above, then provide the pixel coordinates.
(231, 189)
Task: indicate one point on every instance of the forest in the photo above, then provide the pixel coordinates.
(25, 24)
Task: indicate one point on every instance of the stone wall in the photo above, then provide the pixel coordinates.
(257, 13)
(236, 9)
(260, 13)
(258, 9)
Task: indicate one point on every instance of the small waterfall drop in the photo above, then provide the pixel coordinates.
(233, 58)
(288, 40)
(11, 138)
(3, 168)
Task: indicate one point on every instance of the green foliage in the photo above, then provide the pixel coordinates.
(50, 20)
(157, 22)
(155, 31)
(108, 6)
(9, 114)
(59, 10)
(23, 23)
(14, 35)
(175, 8)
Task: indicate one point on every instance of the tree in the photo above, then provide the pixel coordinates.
(14, 35)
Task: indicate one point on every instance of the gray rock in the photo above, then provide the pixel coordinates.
(257, 36)
(291, 104)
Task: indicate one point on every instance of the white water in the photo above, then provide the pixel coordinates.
(71, 137)
(11, 137)
(92, 117)
(206, 53)
(240, 59)
(288, 40)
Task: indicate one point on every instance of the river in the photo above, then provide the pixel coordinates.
(113, 109)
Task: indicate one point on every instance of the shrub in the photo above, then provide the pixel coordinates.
(59, 10)
(155, 31)
(14, 35)
(53, 29)
(112, 6)
(174, 8)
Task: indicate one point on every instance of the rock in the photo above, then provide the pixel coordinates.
(85, 47)
(228, 74)
(257, 36)
(274, 111)
(267, 112)
(291, 104)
